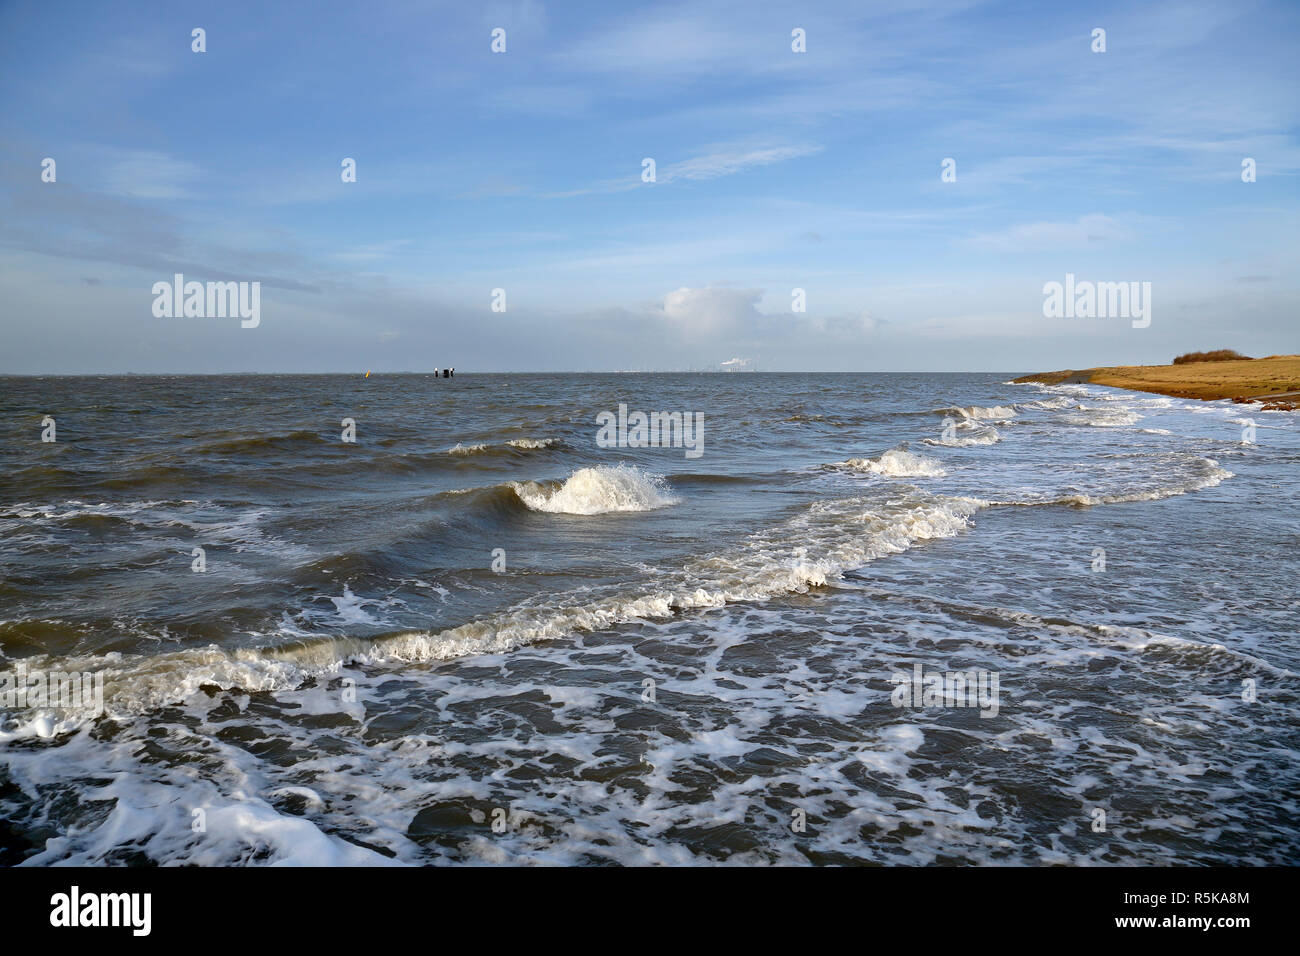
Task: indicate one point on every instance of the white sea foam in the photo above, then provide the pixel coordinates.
(599, 490)
(972, 435)
(304, 811)
(896, 463)
(28, 511)
(981, 412)
(1102, 417)
(525, 444)
(1202, 473)
(352, 609)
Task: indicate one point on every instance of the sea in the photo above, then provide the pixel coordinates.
(809, 619)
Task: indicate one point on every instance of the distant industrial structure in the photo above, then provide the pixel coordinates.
(736, 365)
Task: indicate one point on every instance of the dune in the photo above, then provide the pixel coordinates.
(1274, 380)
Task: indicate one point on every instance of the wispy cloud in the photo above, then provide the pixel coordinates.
(148, 174)
(1055, 234)
(714, 165)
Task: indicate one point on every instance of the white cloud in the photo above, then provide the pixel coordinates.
(711, 309)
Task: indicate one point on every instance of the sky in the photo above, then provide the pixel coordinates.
(522, 171)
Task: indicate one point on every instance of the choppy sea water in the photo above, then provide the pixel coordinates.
(676, 659)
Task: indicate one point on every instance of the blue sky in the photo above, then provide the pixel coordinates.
(522, 170)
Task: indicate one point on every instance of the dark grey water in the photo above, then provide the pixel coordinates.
(476, 635)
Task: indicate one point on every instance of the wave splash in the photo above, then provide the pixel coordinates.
(896, 463)
(980, 412)
(599, 490)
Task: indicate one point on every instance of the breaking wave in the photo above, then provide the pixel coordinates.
(835, 537)
(896, 463)
(598, 490)
(980, 412)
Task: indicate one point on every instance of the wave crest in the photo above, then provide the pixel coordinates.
(598, 490)
(980, 412)
(896, 463)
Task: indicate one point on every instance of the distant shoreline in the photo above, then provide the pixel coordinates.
(1274, 380)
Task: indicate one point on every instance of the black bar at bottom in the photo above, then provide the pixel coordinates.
(335, 906)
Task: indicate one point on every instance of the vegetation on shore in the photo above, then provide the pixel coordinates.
(1221, 355)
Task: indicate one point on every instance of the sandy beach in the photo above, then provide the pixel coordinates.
(1274, 380)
